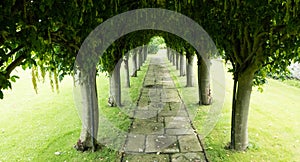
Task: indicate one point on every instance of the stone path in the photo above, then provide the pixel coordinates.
(161, 130)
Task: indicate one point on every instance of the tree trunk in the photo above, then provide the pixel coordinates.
(134, 64)
(205, 97)
(145, 52)
(174, 58)
(115, 87)
(189, 71)
(140, 63)
(89, 112)
(177, 61)
(171, 57)
(142, 55)
(182, 67)
(126, 67)
(242, 102)
(232, 142)
(168, 55)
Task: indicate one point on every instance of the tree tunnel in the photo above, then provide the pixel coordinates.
(48, 35)
(135, 32)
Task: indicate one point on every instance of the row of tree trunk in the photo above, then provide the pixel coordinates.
(185, 67)
(89, 99)
(139, 56)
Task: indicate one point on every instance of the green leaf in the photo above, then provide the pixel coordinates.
(13, 78)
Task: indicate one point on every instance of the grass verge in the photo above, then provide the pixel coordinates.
(33, 127)
(273, 126)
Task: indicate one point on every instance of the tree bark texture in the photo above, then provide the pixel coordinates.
(174, 58)
(171, 57)
(182, 65)
(134, 65)
(177, 60)
(126, 67)
(145, 53)
(115, 87)
(189, 71)
(140, 55)
(242, 102)
(90, 112)
(205, 97)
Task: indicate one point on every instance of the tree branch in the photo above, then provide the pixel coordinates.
(246, 33)
(236, 51)
(14, 64)
(11, 53)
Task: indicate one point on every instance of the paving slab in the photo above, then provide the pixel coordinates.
(177, 122)
(188, 157)
(189, 143)
(144, 127)
(173, 110)
(143, 101)
(179, 131)
(161, 143)
(135, 143)
(146, 158)
(159, 106)
(145, 114)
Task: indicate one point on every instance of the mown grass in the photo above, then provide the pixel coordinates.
(274, 133)
(292, 82)
(33, 127)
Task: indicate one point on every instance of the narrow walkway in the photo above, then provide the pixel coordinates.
(161, 130)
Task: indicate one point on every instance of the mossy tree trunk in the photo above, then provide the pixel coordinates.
(189, 70)
(182, 65)
(126, 67)
(241, 104)
(115, 87)
(89, 112)
(145, 52)
(140, 56)
(177, 60)
(134, 64)
(205, 97)
(174, 58)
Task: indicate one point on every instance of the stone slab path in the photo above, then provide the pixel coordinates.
(161, 129)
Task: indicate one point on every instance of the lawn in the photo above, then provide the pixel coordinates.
(45, 126)
(274, 122)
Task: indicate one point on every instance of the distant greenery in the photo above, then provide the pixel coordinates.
(155, 44)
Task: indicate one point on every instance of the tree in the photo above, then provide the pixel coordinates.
(182, 63)
(189, 67)
(45, 35)
(126, 66)
(155, 44)
(134, 62)
(257, 37)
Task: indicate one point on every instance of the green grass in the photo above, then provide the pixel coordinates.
(292, 82)
(35, 126)
(274, 123)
